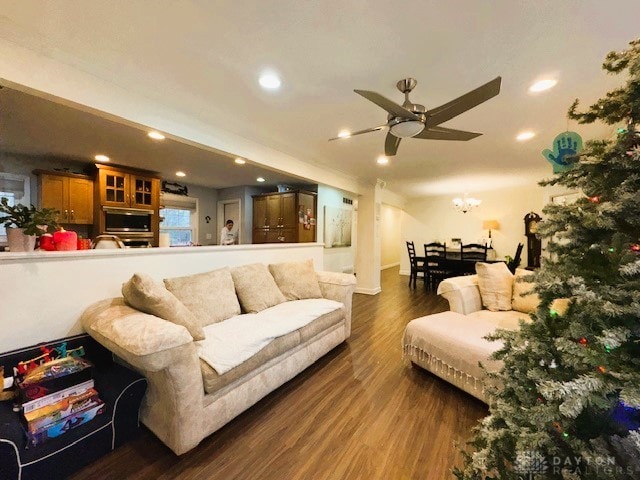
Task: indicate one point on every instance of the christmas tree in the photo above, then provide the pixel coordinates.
(569, 402)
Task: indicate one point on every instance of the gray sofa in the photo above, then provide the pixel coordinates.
(187, 399)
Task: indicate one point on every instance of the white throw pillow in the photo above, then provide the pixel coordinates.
(256, 287)
(296, 280)
(495, 282)
(524, 299)
(211, 296)
(143, 293)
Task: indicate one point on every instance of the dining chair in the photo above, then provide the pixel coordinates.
(435, 255)
(470, 254)
(417, 264)
(515, 261)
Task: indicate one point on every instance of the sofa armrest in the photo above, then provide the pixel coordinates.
(166, 355)
(462, 293)
(339, 287)
(145, 341)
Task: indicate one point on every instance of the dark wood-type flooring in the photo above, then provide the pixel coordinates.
(360, 412)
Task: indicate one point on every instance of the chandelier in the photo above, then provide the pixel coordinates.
(465, 203)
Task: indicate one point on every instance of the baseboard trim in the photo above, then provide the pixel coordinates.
(368, 291)
(391, 265)
(408, 272)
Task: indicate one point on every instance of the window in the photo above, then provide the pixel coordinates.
(179, 219)
(16, 189)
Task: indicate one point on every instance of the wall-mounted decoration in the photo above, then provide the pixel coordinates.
(337, 227)
(175, 188)
(565, 148)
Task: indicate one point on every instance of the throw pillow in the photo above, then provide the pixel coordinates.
(143, 293)
(296, 280)
(256, 288)
(524, 299)
(495, 282)
(211, 296)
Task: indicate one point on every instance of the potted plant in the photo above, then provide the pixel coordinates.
(24, 223)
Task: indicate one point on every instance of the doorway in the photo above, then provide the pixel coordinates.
(229, 210)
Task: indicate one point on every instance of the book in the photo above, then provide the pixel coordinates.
(50, 414)
(64, 425)
(54, 376)
(55, 397)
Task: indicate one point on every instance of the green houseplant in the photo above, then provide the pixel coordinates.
(24, 223)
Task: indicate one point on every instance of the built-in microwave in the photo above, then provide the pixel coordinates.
(127, 220)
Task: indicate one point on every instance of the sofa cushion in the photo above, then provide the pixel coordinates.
(213, 381)
(296, 280)
(256, 287)
(524, 298)
(211, 296)
(507, 320)
(495, 282)
(143, 293)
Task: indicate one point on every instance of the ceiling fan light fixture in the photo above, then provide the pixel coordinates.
(344, 134)
(407, 128)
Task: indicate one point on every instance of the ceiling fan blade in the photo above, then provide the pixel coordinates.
(442, 133)
(391, 144)
(391, 107)
(461, 104)
(360, 132)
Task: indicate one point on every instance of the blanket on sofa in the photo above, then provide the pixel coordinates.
(231, 342)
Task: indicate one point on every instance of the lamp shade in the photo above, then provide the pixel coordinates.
(490, 225)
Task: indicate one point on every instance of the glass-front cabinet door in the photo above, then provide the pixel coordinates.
(145, 191)
(115, 188)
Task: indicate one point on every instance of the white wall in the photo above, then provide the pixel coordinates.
(42, 295)
(339, 259)
(207, 206)
(391, 238)
(434, 219)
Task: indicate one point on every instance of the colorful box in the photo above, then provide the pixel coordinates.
(59, 428)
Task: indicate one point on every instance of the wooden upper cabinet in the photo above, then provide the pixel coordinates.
(119, 188)
(70, 194)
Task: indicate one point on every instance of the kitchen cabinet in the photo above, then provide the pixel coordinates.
(128, 189)
(70, 194)
(284, 217)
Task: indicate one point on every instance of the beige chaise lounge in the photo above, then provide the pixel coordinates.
(187, 399)
(451, 344)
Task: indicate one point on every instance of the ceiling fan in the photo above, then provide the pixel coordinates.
(414, 120)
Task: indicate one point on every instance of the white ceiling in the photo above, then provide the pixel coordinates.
(203, 59)
(35, 126)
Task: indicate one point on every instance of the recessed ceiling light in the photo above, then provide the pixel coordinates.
(156, 135)
(260, 179)
(270, 81)
(102, 158)
(542, 85)
(181, 174)
(526, 135)
(240, 161)
(382, 160)
(344, 134)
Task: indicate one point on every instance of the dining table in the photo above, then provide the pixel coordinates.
(454, 265)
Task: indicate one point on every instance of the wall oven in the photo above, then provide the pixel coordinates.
(133, 226)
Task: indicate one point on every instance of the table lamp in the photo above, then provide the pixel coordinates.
(490, 225)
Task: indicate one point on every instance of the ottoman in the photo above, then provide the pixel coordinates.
(451, 346)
